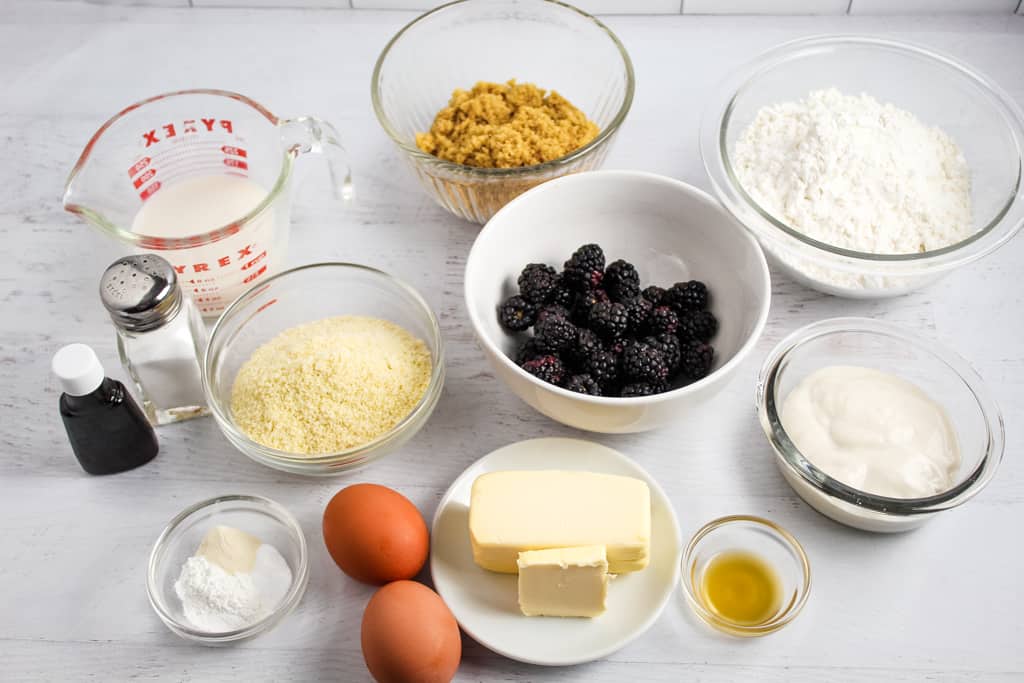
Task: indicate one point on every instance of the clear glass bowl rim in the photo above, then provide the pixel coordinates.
(300, 575)
(415, 152)
(775, 530)
(727, 187)
(223, 415)
(783, 446)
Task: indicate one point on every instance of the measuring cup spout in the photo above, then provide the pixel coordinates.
(87, 191)
(311, 134)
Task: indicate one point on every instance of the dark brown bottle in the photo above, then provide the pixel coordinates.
(108, 431)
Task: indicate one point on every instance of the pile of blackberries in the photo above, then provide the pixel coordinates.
(596, 332)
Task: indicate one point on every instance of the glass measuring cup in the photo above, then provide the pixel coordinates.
(190, 158)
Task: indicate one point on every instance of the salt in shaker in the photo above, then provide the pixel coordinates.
(160, 336)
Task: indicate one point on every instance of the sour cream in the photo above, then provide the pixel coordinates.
(873, 431)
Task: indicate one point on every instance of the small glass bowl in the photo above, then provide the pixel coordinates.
(940, 373)
(302, 295)
(179, 540)
(777, 547)
(982, 118)
(458, 44)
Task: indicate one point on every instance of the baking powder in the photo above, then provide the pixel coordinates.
(214, 600)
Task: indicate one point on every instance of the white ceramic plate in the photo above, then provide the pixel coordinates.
(486, 603)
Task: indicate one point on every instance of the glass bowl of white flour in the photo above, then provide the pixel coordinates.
(217, 607)
(867, 168)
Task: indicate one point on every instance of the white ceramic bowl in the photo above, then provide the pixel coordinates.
(669, 230)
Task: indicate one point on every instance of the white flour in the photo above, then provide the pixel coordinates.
(214, 600)
(855, 173)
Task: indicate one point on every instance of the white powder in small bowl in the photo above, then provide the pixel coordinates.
(215, 601)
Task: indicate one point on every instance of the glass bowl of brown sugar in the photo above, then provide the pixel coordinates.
(547, 44)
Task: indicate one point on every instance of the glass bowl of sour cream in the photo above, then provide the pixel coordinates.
(875, 426)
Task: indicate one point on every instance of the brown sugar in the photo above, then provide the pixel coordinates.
(506, 125)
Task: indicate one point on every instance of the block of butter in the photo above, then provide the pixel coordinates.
(514, 511)
(563, 582)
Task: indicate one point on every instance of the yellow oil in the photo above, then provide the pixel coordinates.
(741, 588)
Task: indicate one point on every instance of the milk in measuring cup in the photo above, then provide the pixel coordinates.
(213, 274)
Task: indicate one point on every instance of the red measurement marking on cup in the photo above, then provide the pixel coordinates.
(236, 163)
(266, 305)
(138, 166)
(150, 190)
(255, 275)
(234, 151)
(144, 178)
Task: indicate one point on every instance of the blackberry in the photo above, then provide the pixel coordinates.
(537, 281)
(586, 344)
(584, 302)
(644, 363)
(654, 294)
(670, 348)
(554, 334)
(516, 314)
(528, 350)
(642, 389)
(548, 368)
(696, 360)
(663, 320)
(552, 311)
(621, 281)
(585, 268)
(699, 325)
(638, 310)
(688, 296)
(603, 367)
(583, 384)
(608, 320)
(561, 295)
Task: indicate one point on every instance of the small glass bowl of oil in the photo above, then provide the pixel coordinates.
(745, 576)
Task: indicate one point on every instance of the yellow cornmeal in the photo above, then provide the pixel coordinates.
(330, 385)
(506, 126)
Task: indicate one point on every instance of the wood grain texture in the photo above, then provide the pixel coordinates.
(939, 604)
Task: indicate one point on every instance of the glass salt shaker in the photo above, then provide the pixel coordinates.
(160, 336)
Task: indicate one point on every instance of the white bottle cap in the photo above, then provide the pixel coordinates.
(78, 369)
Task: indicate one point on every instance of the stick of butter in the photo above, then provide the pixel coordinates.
(563, 582)
(514, 511)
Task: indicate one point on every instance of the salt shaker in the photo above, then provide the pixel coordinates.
(160, 336)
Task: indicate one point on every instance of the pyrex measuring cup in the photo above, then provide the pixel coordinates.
(190, 156)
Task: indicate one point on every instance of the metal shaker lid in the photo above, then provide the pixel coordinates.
(140, 292)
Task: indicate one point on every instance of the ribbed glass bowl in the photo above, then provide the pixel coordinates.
(550, 44)
(302, 295)
(942, 374)
(983, 120)
(261, 517)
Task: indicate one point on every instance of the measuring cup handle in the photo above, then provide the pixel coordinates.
(311, 134)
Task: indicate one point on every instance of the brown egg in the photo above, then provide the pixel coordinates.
(410, 636)
(375, 534)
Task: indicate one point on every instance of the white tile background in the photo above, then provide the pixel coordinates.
(649, 6)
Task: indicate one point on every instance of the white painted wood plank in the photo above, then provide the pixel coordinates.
(932, 6)
(589, 6)
(765, 6)
(939, 604)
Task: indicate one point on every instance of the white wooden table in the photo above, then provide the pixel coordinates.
(942, 603)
